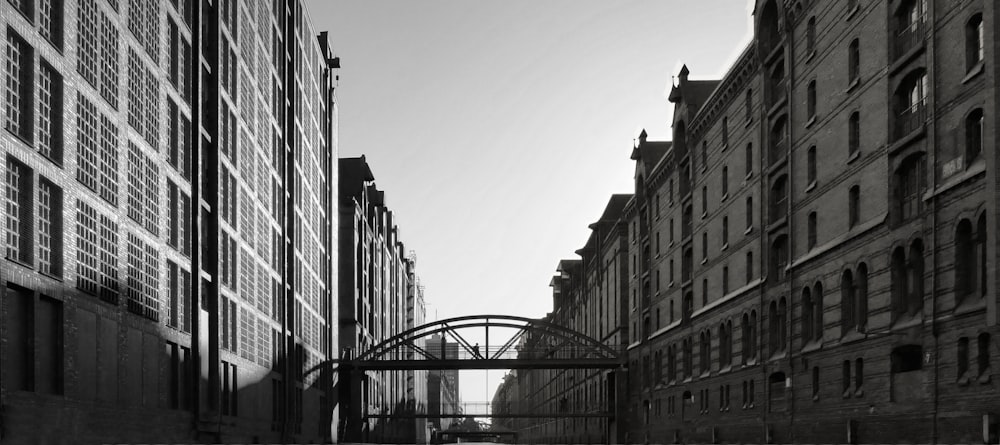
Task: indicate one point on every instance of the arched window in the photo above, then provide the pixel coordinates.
(974, 48)
(749, 267)
(687, 307)
(748, 105)
(812, 227)
(687, 263)
(910, 103)
(725, 180)
(811, 165)
(807, 316)
(688, 358)
(778, 142)
(706, 351)
(853, 60)
(753, 334)
(776, 392)
(773, 341)
(680, 139)
(776, 84)
(749, 158)
(811, 99)
(817, 318)
(899, 284)
(749, 211)
(966, 258)
(782, 323)
(981, 235)
(861, 294)
(909, 26)
(769, 34)
(848, 303)
(704, 155)
(779, 199)
(811, 35)
(915, 269)
(854, 133)
(779, 259)
(909, 183)
(853, 205)
(983, 356)
(973, 135)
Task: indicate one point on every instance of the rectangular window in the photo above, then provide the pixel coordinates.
(86, 41)
(50, 113)
(50, 21)
(144, 24)
(109, 259)
(86, 139)
(18, 203)
(18, 105)
(86, 248)
(142, 278)
(173, 295)
(109, 60)
(109, 161)
(50, 228)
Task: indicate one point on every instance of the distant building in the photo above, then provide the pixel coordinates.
(506, 401)
(379, 298)
(168, 222)
(442, 385)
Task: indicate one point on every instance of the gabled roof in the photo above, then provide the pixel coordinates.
(650, 153)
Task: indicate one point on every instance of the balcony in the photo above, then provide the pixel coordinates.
(911, 119)
(909, 37)
(776, 92)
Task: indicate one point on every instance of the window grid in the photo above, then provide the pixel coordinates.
(86, 248)
(50, 21)
(86, 133)
(18, 86)
(109, 60)
(143, 278)
(49, 228)
(109, 260)
(18, 217)
(86, 41)
(109, 161)
(50, 110)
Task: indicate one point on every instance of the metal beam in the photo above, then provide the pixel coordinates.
(494, 416)
(510, 363)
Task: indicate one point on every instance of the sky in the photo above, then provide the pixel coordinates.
(499, 129)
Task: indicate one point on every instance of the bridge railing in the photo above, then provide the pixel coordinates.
(495, 352)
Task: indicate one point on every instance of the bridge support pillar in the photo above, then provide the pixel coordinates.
(352, 403)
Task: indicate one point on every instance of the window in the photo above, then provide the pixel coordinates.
(810, 36)
(143, 99)
(853, 205)
(909, 183)
(726, 344)
(854, 133)
(811, 242)
(704, 246)
(704, 201)
(909, 26)
(688, 358)
(861, 298)
(143, 189)
(704, 292)
(853, 61)
(704, 155)
(748, 106)
(109, 230)
(725, 231)
(966, 258)
(848, 303)
(50, 21)
(983, 357)
(777, 325)
(749, 212)
(817, 316)
(909, 103)
(811, 99)
(776, 392)
(179, 148)
(808, 312)
(973, 136)
(859, 376)
(50, 105)
(811, 165)
(86, 248)
(749, 267)
(962, 360)
(18, 105)
(749, 336)
(109, 60)
(845, 380)
(779, 259)
(749, 159)
(725, 132)
(178, 219)
(779, 197)
(143, 278)
(50, 228)
(779, 145)
(18, 203)
(109, 161)
(907, 275)
(22, 6)
(705, 352)
(974, 48)
(144, 23)
(725, 181)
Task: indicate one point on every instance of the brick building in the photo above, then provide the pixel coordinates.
(169, 182)
(812, 258)
(379, 298)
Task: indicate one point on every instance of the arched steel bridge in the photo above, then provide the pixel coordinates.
(558, 348)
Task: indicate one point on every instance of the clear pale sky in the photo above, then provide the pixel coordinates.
(499, 129)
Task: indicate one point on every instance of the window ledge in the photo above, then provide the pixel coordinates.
(852, 337)
(52, 276)
(846, 394)
(671, 283)
(725, 247)
(725, 196)
(749, 175)
(811, 186)
(704, 214)
(748, 122)
(704, 260)
(814, 345)
(811, 121)
(811, 55)
(859, 393)
(974, 72)
(854, 84)
(970, 304)
(984, 378)
(748, 230)
(777, 356)
(852, 12)
(853, 156)
(908, 139)
(963, 380)
(977, 168)
(907, 321)
(20, 263)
